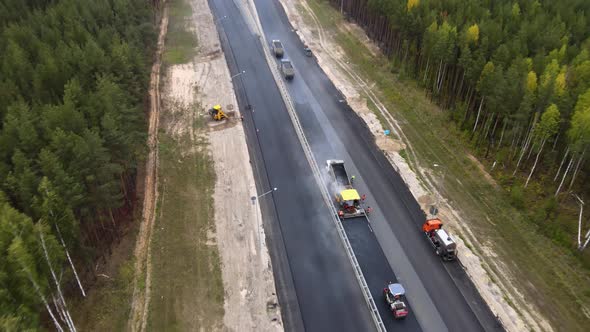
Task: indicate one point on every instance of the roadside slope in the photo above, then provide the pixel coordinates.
(342, 71)
(209, 270)
(250, 299)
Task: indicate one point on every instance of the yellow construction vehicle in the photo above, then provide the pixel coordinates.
(217, 113)
(348, 200)
(349, 204)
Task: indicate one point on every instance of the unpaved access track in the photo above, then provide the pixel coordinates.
(139, 304)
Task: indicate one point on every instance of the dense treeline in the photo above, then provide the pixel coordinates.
(513, 74)
(73, 80)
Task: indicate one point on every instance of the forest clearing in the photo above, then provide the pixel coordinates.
(126, 206)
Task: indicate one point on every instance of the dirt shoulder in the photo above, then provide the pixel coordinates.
(496, 282)
(211, 269)
(250, 299)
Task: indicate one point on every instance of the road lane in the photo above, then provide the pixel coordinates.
(327, 294)
(397, 213)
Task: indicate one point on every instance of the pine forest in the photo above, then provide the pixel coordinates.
(514, 77)
(73, 85)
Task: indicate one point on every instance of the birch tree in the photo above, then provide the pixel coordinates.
(24, 274)
(484, 87)
(545, 130)
(579, 132)
(60, 216)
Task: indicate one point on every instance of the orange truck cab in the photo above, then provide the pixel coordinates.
(432, 224)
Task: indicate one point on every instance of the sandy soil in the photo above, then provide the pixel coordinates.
(140, 301)
(250, 301)
(332, 60)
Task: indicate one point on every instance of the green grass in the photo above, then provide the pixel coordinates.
(543, 269)
(404, 155)
(186, 286)
(187, 290)
(181, 44)
(108, 303)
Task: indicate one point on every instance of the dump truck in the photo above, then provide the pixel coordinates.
(347, 199)
(394, 295)
(277, 48)
(442, 242)
(287, 69)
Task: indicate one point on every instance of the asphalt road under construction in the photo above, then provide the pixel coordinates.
(315, 281)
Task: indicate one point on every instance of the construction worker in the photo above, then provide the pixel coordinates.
(352, 179)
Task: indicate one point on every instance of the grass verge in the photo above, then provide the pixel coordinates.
(181, 43)
(540, 268)
(108, 302)
(187, 290)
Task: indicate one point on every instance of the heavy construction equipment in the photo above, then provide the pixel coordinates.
(442, 242)
(347, 200)
(394, 295)
(217, 113)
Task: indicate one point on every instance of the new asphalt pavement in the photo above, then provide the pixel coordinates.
(316, 286)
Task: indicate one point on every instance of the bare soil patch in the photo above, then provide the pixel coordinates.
(211, 266)
(250, 301)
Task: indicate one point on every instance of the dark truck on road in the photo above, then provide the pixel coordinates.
(277, 48)
(287, 69)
